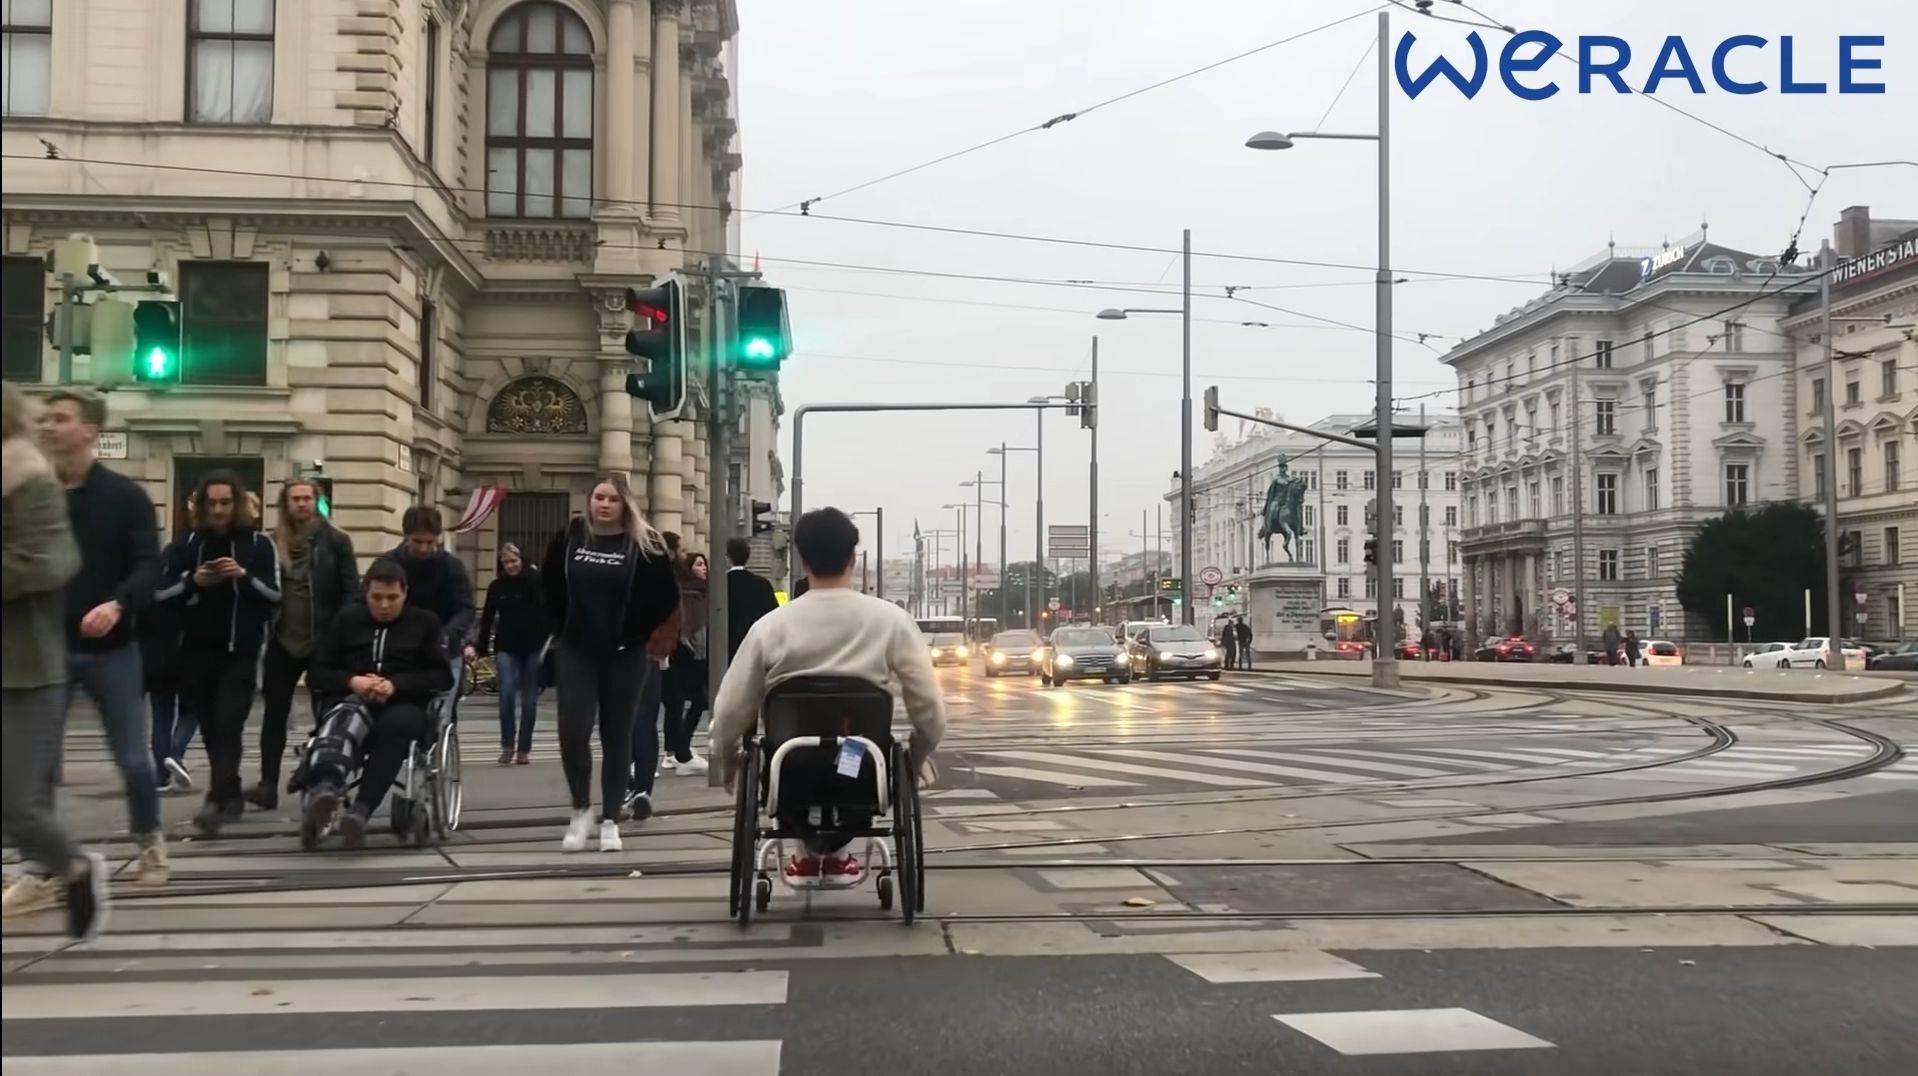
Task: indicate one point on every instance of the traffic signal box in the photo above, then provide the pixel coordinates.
(765, 331)
(658, 335)
(156, 342)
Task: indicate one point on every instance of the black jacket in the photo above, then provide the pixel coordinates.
(748, 597)
(334, 573)
(406, 651)
(514, 621)
(119, 555)
(651, 598)
(236, 613)
(439, 585)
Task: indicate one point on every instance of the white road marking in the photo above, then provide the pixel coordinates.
(1053, 777)
(1281, 966)
(1127, 767)
(1409, 1031)
(576, 1059)
(1345, 765)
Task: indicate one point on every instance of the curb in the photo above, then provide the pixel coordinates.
(1862, 693)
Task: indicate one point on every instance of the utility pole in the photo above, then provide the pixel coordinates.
(719, 504)
(1578, 520)
(1425, 584)
(1385, 670)
(1092, 528)
(1003, 499)
(1185, 405)
(1833, 632)
(1038, 514)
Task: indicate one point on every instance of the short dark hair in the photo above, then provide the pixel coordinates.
(421, 518)
(91, 405)
(738, 551)
(385, 570)
(827, 539)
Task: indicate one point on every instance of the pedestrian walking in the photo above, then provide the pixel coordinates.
(224, 577)
(748, 595)
(38, 556)
(513, 628)
(1610, 640)
(436, 580)
(319, 576)
(1229, 642)
(113, 524)
(1244, 632)
(684, 693)
(173, 721)
(1631, 649)
(609, 589)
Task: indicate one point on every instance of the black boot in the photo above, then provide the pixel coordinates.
(265, 795)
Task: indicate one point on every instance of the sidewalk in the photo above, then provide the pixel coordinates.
(1797, 685)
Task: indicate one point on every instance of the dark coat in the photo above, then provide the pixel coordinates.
(334, 573)
(439, 584)
(748, 597)
(651, 598)
(407, 651)
(514, 620)
(236, 612)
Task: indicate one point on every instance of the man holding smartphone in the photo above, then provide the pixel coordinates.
(224, 576)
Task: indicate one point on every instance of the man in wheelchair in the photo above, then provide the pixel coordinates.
(387, 658)
(832, 631)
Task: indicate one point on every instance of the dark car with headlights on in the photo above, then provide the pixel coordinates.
(1510, 648)
(1083, 654)
(1174, 650)
(1011, 652)
(948, 648)
(1905, 658)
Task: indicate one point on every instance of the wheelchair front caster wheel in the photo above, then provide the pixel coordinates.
(763, 894)
(885, 893)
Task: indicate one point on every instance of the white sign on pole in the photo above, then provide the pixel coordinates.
(1749, 621)
(1211, 576)
(1068, 542)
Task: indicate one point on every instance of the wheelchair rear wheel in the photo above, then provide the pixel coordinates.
(745, 834)
(905, 829)
(446, 782)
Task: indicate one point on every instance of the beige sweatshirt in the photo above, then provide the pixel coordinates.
(833, 631)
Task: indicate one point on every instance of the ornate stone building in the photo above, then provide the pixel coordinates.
(400, 231)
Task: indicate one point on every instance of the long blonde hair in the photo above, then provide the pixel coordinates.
(632, 521)
(17, 412)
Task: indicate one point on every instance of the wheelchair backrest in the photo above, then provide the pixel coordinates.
(828, 706)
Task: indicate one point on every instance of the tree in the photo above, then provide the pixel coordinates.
(1766, 559)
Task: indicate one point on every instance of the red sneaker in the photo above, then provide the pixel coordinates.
(802, 867)
(842, 869)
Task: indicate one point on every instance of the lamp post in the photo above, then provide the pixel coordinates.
(1039, 516)
(1185, 420)
(959, 513)
(982, 481)
(879, 532)
(1385, 671)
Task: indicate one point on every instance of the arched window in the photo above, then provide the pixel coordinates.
(539, 114)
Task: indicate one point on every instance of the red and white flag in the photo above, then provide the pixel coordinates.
(486, 500)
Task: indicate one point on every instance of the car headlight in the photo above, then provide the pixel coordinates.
(1064, 659)
(1211, 654)
(998, 659)
(960, 651)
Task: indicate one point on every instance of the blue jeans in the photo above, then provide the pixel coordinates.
(518, 698)
(173, 728)
(113, 678)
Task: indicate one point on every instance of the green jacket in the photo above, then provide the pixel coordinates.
(40, 556)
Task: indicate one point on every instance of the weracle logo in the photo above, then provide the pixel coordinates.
(1605, 57)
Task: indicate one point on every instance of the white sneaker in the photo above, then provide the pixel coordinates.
(182, 780)
(694, 766)
(152, 867)
(668, 764)
(30, 893)
(609, 836)
(577, 831)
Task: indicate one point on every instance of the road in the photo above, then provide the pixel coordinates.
(1277, 872)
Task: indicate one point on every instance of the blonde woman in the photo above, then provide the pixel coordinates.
(40, 557)
(609, 592)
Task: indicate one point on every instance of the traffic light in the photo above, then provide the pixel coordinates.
(765, 331)
(762, 517)
(658, 335)
(1212, 409)
(156, 342)
(1088, 406)
(1371, 551)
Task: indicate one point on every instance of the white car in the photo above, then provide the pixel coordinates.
(1768, 656)
(1658, 652)
(1815, 653)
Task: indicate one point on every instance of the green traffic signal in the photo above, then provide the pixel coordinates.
(759, 349)
(765, 335)
(156, 342)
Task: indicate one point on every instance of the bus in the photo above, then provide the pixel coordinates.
(973, 629)
(1347, 631)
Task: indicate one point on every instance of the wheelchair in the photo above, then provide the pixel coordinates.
(805, 724)
(424, 802)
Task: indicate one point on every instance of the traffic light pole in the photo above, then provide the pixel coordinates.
(1092, 513)
(719, 503)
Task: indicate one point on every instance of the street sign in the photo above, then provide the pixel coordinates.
(1561, 597)
(1068, 542)
(110, 446)
(1750, 620)
(1858, 596)
(1211, 576)
(1748, 612)
(1052, 604)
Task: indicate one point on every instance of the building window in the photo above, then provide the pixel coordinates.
(1606, 417)
(1305, 551)
(1892, 553)
(430, 119)
(1608, 495)
(1345, 587)
(1451, 552)
(223, 323)
(429, 359)
(1471, 437)
(1651, 406)
(1398, 516)
(1451, 481)
(1602, 358)
(1531, 501)
(1608, 565)
(539, 114)
(24, 282)
(1854, 472)
(1398, 586)
(1343, 514)
(1371, 480)
(1818, 473)
(1734, 336)
(1451, 515)
(1311, 480)
(1398, 480)
(229, 49)
(1892, 475)
(1888, 374)
(1345, 550)
(1737, 485)
(1308, 517)
(1398, 551)
(26, 38)
(1425, 480)
(1558, 496)
(1340, 481)
(1817, 394)
(1552, 415)
(1735, 402)
(1651, 562)
(1851, 394)
(1651, 489)
(1371, 585)
(1511, 503)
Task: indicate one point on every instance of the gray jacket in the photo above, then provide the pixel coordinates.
(40, 556)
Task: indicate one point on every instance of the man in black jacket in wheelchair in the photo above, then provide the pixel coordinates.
(388, 656)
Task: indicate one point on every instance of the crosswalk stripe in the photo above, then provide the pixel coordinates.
(1529, 758)
(1053, 777)
(1343, 765)
(256, 997)
(750, 1058)
(1127, 767)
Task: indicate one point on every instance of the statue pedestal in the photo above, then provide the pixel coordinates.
(1286, 600)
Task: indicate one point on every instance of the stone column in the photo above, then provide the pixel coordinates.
(625, 112)
(615, 407)
(668, 504)
(666, 102)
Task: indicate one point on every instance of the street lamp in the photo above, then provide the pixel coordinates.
(979, 484)
(1185, 420)
(1039, 518)
(960, 514)
(1385, 671)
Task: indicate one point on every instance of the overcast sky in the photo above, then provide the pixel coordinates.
(834, 93)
